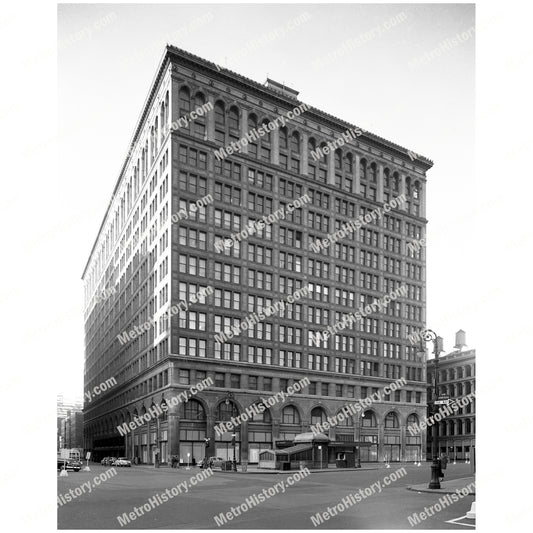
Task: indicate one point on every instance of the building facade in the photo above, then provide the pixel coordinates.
(157, 248)
(457, 380)
(72, 430)
(66, 406)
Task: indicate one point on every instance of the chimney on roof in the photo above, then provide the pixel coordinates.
(460, 340)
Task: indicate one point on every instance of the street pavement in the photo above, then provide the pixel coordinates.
(195, 509)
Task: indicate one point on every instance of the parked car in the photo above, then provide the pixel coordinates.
(121, 461)
(69, 464)
(215, 462)
(108, 461)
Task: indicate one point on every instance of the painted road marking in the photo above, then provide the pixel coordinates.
(456, 521)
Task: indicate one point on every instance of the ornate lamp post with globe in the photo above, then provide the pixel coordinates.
(426, 336)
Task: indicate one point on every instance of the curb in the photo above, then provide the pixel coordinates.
(323, 471)
(444, 490)
(438, 491)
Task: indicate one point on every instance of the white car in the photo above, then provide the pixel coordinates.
(121, 461)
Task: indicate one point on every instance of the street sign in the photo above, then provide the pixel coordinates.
(442, 402)
(88, 455)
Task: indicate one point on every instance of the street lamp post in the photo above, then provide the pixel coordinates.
(233, 442)
(360, 418)
(430, 335)
(228, 400)
(206, 454)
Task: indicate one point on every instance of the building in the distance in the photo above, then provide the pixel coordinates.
(183, 189)
(457, 380)
(72, 430)
(64, 407)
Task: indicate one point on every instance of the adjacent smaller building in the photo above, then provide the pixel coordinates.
(456, 379)
(69, 422)
(72, 430)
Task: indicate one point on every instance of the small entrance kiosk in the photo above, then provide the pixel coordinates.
(308, 450)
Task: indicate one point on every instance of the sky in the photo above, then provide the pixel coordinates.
(366, 64)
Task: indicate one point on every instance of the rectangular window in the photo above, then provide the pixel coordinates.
(235, 381)
(183, 377)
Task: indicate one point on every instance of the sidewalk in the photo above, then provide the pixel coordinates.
(447, 487)
(256, 470)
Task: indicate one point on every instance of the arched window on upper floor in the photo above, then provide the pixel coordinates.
(252, 125)
(184, 106)
(412, 420)
(234, 124)
(338, 159)
(152, 145)
(283, 139)
(348, 419)
(290, 415)
(391, 421)
(295, 143)
(199, 122)
(263, 418)
(373, 173)
(416, 190)
(408, 188)
(396, 182)
(368, 420)
(226, 410)
(162, 131)
(363, 177)
(156, 135)
(164, 408)
(193, 410)
(337, 164)
(220, 122)
(386, 185)
(166, 112)
(349, 163)
(322, 164)
(318, 416)
(295, 151)
(311, 161)
(266, 141)
(283, 148)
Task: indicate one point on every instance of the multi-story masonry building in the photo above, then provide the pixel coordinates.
(457, 380)
(72, 430)
(178, 195)
(66, 406)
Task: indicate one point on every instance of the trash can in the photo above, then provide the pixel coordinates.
(286, 465)
(244, 466)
